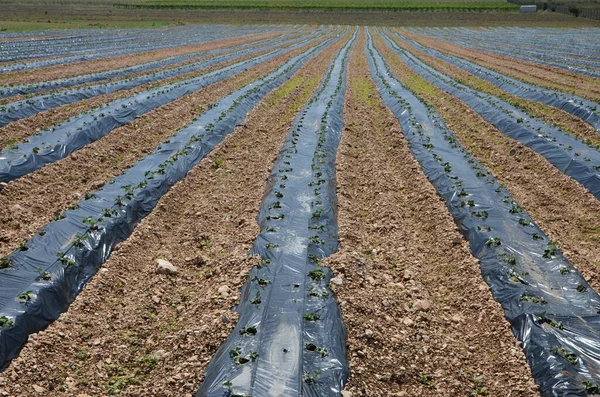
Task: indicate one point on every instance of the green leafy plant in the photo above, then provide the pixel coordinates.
(250, 331)
(261, 281)
(311, 317)
(493, 242)
(543, 319)
(309, 377)
(591, 387)
(256, 300)
(561, 351)
(314, 348)
(532, 298)
(551, 250)
(6, 322)
(427, 380)
(317, 274)
(6, 263)
(25, 296)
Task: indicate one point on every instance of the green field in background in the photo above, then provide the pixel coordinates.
(326, 5)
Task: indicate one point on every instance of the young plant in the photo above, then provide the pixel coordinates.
(570, 357)
(317, 274)
(6, 322)
(311, 377)
(250, 331)
(311, 317)
(256, 300)
(25, 296)
(6, 263)
(314, 348)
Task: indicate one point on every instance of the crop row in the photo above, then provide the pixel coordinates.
(579, 107)
(290, 335)
(177, 37)
(577, 159)
(551, 307)
(515, 40)
(59, 141)
(18, 110)
(25, 89)
(45, 274)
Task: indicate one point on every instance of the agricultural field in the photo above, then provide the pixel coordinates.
(300, 210)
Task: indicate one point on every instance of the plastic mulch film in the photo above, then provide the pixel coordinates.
(25, 89)
(290, 339)
(550, 306)
(58, 142)
(18, 110)
(573, 45)
(570, 155)
(41, 278)
(584, 109)
(150, 40)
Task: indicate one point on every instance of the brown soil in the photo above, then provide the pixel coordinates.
(133, 75)
(562, 207)
(32, 200)
(421, 321)
(545, 76)
(101, 65)
(566, 121)
(156, 334)
(20, 129)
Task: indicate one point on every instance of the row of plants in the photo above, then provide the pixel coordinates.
(295, 323)
(21, 109)
(162, 39)
(585, 109)
(579, 160)
(27, 89)
(563, 49)
(549, 304)
(43, 276)
(64, 138)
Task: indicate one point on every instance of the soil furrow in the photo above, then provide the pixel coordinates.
(227, 50)
(421, 320)
(153, 334)
(552, 115)
(20, 129)
(31, 201)
(76, 69)
(538, 74)
(563, 208)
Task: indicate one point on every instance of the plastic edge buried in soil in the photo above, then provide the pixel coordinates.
(551, 308)
(290, 339)
(43, 276)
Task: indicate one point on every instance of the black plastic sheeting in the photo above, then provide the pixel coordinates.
(7, 92)
(571, 156)
(18, 110)
(586, 110)
(58, 142)
(511, 42)
(296, 345)
(550, 306)
(176, 37)
(46, 275)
